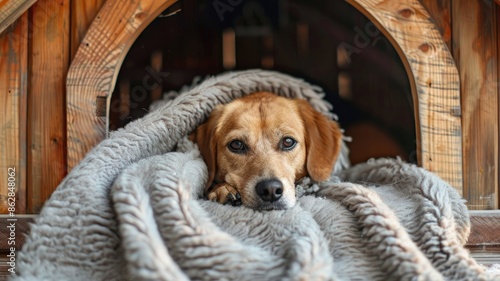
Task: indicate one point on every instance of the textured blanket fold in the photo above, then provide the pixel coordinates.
(132, 210)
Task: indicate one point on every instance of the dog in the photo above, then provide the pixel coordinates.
(256, 148)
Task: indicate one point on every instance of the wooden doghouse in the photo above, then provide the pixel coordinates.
(62, 66)
(431, 69)
(435, 86)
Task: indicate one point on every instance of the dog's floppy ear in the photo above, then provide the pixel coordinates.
(323, 141)
(204, 136)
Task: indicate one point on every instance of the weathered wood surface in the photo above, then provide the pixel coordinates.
(13, 111)
(10, 10)
(497, 30)
(22, 223)
(435, 82)
(82, 15)
(475, 52)
(95, 67)
(49, 60)
(440, 12)
(485, 228)
(94, 70)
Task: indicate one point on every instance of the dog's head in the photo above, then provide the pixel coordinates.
(262, 144)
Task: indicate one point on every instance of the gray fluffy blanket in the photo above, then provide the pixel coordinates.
(132, 210)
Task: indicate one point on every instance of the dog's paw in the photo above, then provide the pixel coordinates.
(223, 193)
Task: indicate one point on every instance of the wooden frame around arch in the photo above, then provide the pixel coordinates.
(429, 65)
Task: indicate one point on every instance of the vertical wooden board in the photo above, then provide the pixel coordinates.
(440, 12)
(82, 15)
(474, 49)
(497, 18)
(13, 92)
(49, 56)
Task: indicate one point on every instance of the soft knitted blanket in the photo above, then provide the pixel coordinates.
(132, 210)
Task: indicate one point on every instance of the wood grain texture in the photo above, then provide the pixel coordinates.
(22, 226)
(82, 15)
(475, 51)
(93, 73)
(10, 10)
(440, 12)
(485, 228)
(13, 107)
(434, 78)
(95, 67)
(497, 19)
(49, 57)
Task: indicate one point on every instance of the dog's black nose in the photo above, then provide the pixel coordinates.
(269, 190)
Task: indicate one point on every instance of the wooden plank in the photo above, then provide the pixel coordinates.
(434, 79)
(21, 225)
(13, 108)
(497, 19)
(440, 11)
(82, 15)
(96, 65)
(13, 235)
(4, 267)
(49, 56)
(229, 48)
(484, 239)
(475, 53)
(10, 10)
(485, 228)
(485, 255)
(157, 66)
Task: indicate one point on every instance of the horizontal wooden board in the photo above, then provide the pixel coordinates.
(485, 229)
(485, 255)
(21, 228)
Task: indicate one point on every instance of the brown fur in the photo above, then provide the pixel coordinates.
(262, 120)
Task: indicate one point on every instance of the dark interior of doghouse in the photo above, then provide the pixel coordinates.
(328, 43)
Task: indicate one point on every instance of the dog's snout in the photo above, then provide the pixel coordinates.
(269, 190)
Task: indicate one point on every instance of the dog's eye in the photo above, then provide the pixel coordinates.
(237, 146)
(288, 143)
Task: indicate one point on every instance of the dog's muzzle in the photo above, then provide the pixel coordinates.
(269, 190)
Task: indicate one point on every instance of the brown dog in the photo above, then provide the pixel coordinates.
(258, 146)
